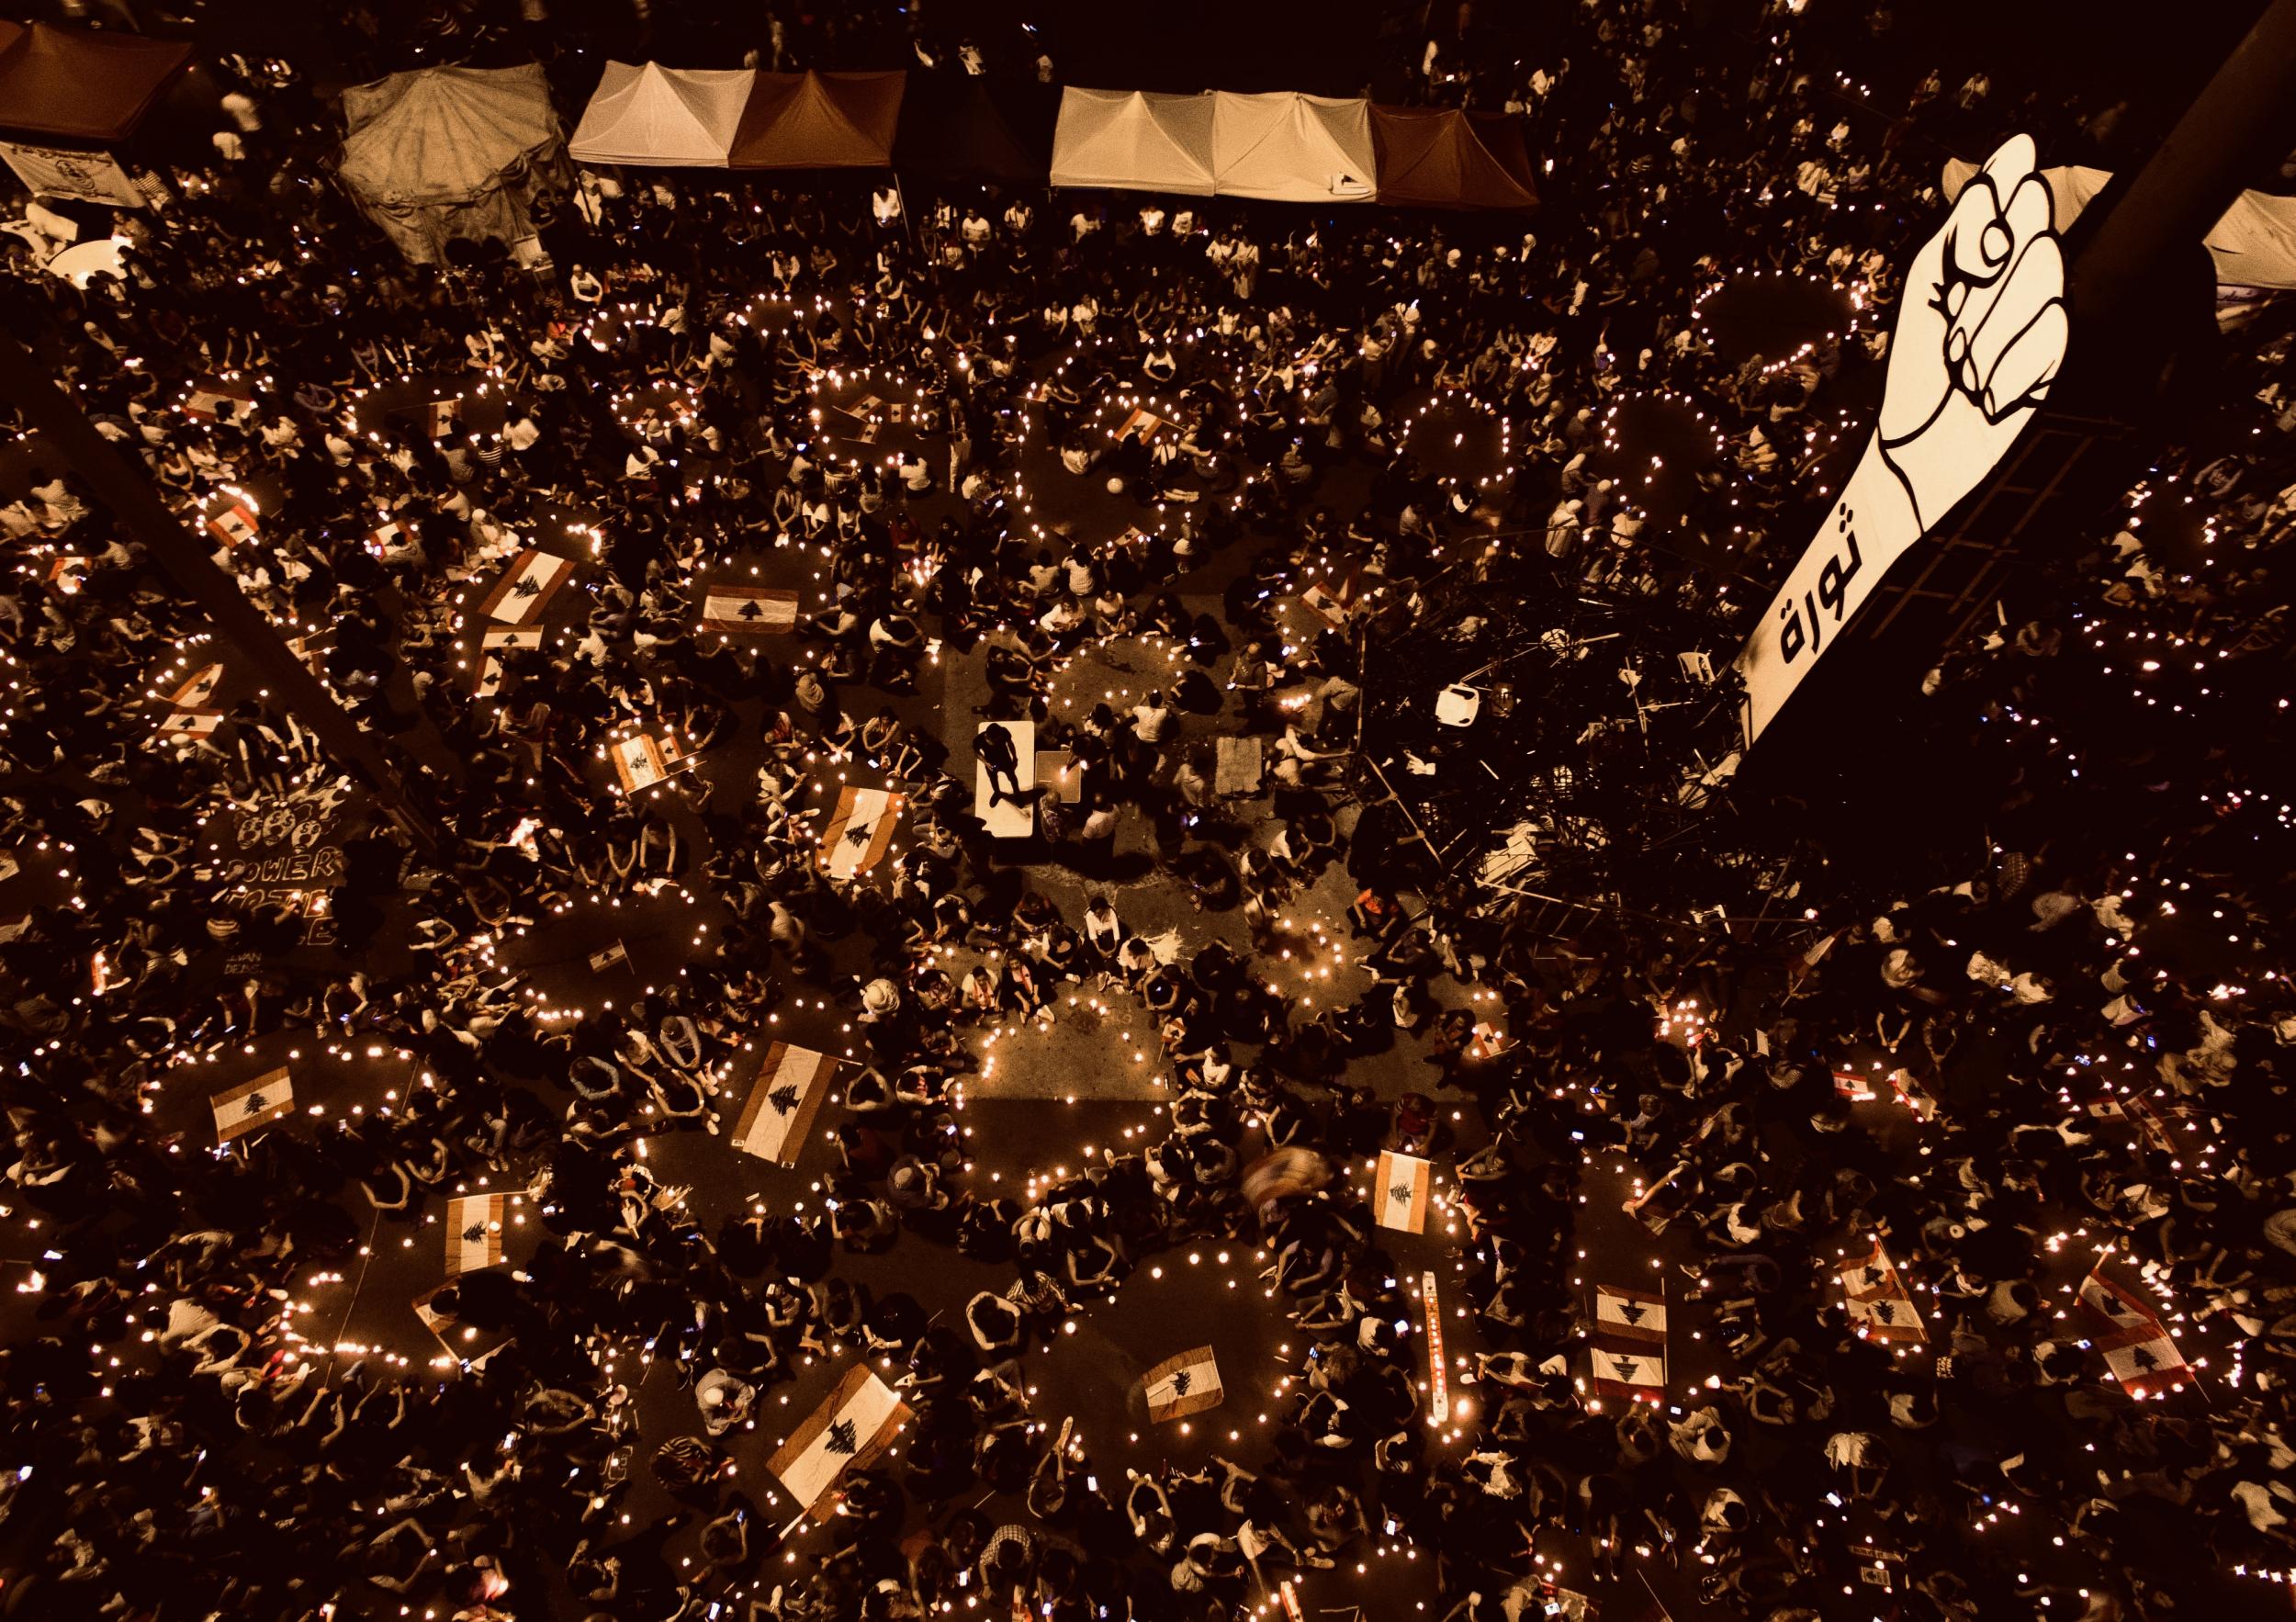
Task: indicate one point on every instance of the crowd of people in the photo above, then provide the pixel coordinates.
(2071, 1063)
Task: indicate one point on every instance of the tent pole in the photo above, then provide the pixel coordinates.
(131, 498)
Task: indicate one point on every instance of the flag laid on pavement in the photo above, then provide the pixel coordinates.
(312, 649)
(1181, 1385)
(1856, 1088)
(526, 586)
(1637, 1375)
(855, 1423)
(1629, 1344)
(1330, 604)
(253, 1105)
(1399, 1191)
(493, 639)
(1629, 1315)
(219, 402)
(474, 1232)
(640, 762)
(861, 831)
(200, 691)
(601, 961)
(2137, 1345)
(749, 611)
(1142, 422)
(791, 1087)
(1877, 1299)
(189, 722)
(438, 417)
(468, 1344)
(231, 522)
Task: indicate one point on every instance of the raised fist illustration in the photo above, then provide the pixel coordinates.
(1981, 335)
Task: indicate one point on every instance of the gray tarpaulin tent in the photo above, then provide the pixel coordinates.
(445, 154)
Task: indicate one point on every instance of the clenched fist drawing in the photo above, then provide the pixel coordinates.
(1981, 333)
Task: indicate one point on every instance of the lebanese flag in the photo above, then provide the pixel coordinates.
(640, 762)
(66, 571)
(439, 415)
(253, 1105)
(1330, 605)
(526, 586)
(491, 673)
(749, 611)
(1142, 422)
(232, 523)
(2137, 1345)
(861, 832)
(791, 1087)
(855, 1424)
(1629, 1315)
(189, 722)
(1629, 1344)
(474, 1232)
(1399, 1194)
(196, 692)
(1181, 1385)
(312, 650)
(1856, 1088)
(1637, 1375)
(1878, 1301)
(219, 402)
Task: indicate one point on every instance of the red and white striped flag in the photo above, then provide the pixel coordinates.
(474, 1232)
(526, 586)
(861, 832)
(2137, 1345)
(640, 762)
(438, 417)
(253, 1105)
(855, 1424)
(1182, 1385)
(219, 402)
(1141, 423)
(232, 523)
(1629, 1344)
(791, 1087)
(749, 611)
(188, 723)
(1330, 602)
(1877, 1300)
(200, 691)
(1399, 1191)
(490, 671)
(312, 649)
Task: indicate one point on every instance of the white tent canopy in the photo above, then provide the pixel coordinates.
(2253, 244)
(1292, 148)
(1283, 146)
(670, 117)
(1135, 140)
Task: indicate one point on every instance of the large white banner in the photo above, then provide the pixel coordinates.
(1981, 335)
(62, 172)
